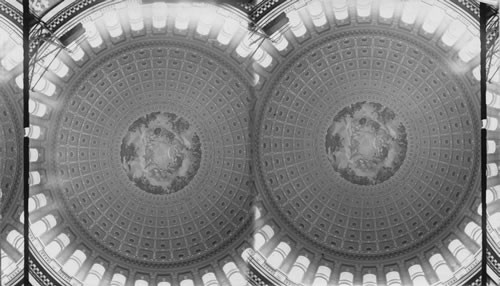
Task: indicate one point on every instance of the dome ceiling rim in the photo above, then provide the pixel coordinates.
(88, 68)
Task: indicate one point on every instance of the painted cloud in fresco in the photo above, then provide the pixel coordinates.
(161, 153)
(366, 143)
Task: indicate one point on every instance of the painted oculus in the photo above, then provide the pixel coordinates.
(161, 153)
(366, 143)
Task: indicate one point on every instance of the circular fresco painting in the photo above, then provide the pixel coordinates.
(366, 143)
(161, 153)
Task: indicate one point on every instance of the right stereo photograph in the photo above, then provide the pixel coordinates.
(368, 144)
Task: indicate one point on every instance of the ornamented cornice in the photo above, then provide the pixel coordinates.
(11, 13)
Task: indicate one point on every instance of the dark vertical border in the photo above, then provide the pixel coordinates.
(26, 95)
(483, 14)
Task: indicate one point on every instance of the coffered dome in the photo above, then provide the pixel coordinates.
(323, 95)
(154, 218)
(145, 171)
(368, 144)
(170, 145)
(11, 149)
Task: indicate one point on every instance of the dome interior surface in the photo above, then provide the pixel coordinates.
(171, 145)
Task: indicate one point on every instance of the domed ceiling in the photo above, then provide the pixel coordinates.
(151, 155)
(367, 142)
(146, 154)
(11, 151)
(167, 149)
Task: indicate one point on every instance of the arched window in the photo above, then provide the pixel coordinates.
(95, 275)
(491, 123)
(37, 201)
(187, 282)
(5, 262)
(340, 9)
(182, 18)
(494, 221)
(473, 231)
(256, 213)
(386, 9)
(470, 50)
(74, 263)
(440, 267)
(135, 18)
(369, 280)
(410, 12)
(59, 68)
(256, 79)
(118, 280)
(296, 25)
(322, 276)
(489, 196)
(317, 13)
(280, 43)
(15, 239)
(263, 236)
(57, 245)
(209, 279)
(491, 170)
(93, 36)
(247, 45)
(455, 30)
(228, 30)
(164, 283)
(262, 58)
(417, 275)
(346, 279)
(44, 86)
(13, 58)
(33, 155)
(246, 254)
(159, 18)
(458, 250)
(393, 278)
(299, 268)
(493, 194)
(141, 282)
(490, 146)
(433, 19)
(278, 255)
(33, 132)
(112, 22)
(40, 227)
(364, 7)
(233, 275)
(19, 81)
(476, 73)
(37, 109)
(34, 178)
(205, 22)
(492, 99)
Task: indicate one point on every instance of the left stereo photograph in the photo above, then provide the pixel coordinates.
(139, 144)
(11, 146)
